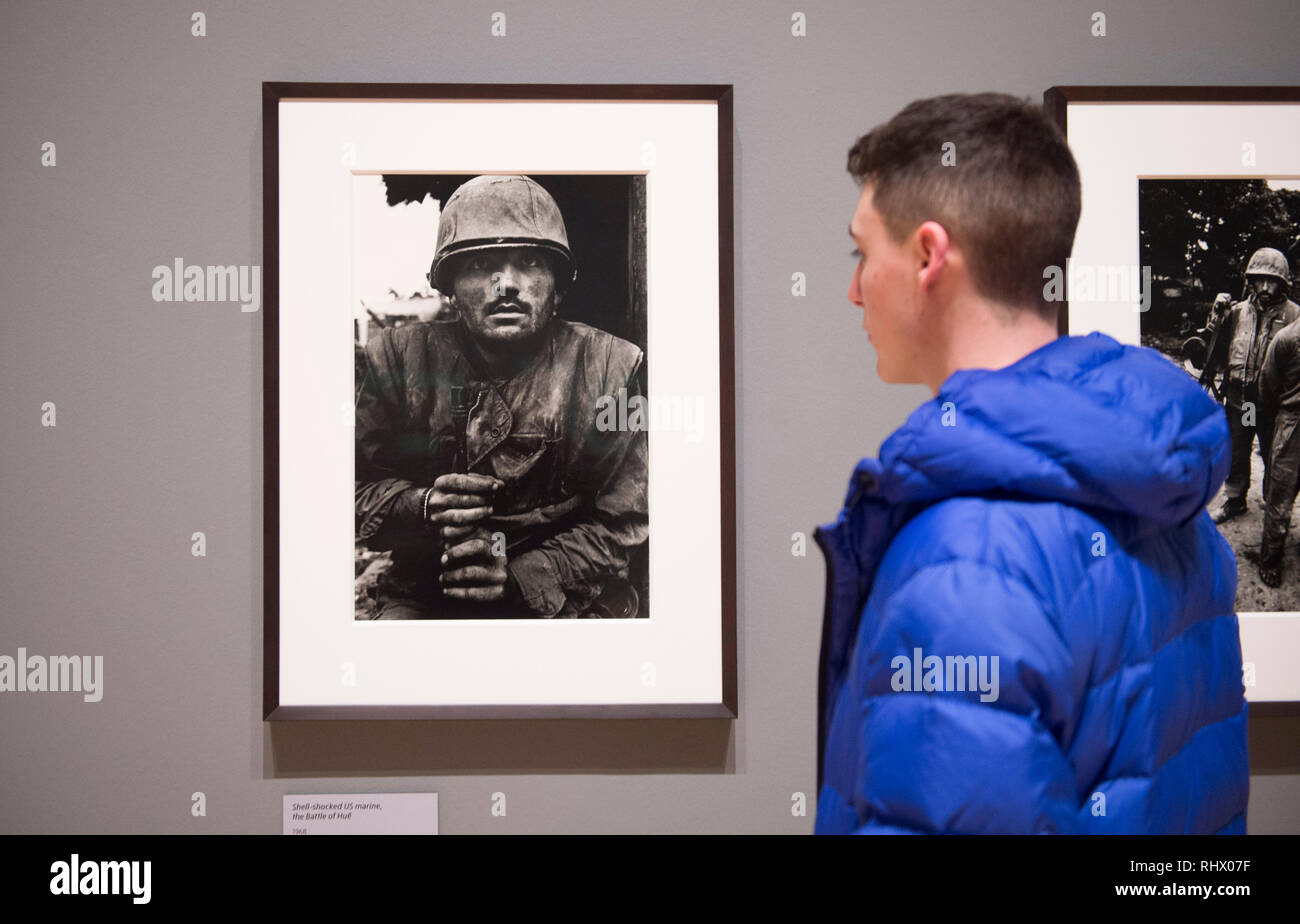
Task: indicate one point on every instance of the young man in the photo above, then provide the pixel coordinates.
(1029, 612)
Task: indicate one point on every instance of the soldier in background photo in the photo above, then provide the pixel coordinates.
(1236, 340)
(1279, 396)
(479, 459)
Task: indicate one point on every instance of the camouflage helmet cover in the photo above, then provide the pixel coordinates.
(490, 212)
(1268, 261)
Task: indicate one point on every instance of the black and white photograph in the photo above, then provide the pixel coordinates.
(492, 371)
(1220, 254)
(500, 324)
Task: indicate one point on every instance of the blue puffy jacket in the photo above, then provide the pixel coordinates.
(1050, 515)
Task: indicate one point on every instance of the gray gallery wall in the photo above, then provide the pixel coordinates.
(158, 434)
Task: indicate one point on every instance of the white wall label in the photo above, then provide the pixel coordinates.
(362, 813)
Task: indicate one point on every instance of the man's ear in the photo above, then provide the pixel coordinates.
(559, 279)
(932, 247)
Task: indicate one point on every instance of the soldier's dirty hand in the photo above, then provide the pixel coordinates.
(461, 498)
(451, 535)
(470, 570)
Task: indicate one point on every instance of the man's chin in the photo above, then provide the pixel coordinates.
(508, 333)
(890, 375)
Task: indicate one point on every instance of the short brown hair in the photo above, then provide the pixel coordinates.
(1010, 199)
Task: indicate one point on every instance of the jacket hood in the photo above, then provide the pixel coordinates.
(1083, 420)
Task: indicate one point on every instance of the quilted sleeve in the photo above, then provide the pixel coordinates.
(964, 682)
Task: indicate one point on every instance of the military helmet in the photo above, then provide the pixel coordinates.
(491, 212)
(1269, 262)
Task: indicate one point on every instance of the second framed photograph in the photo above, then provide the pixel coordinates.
(1187, 243)
(499, 329)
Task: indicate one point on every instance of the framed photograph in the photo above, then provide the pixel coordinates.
(1187, 242)
(498, 401)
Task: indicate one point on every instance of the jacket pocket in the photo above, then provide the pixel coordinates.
(529, 465)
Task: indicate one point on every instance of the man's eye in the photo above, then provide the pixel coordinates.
(855, 254)
(531, 260)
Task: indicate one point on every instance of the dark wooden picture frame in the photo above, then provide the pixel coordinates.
(273, 93)
(1057, 100)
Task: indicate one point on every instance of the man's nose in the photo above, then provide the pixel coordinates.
(854, 295)
(507, 278)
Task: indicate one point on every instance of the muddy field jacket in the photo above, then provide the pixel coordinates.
(1279, 378)
(575, 505)
(1247, 332)
(1050, 515)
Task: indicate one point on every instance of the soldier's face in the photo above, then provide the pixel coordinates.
(505, 295)
(1266, 288)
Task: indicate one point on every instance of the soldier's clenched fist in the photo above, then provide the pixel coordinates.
(460, 498)
(470, 570)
